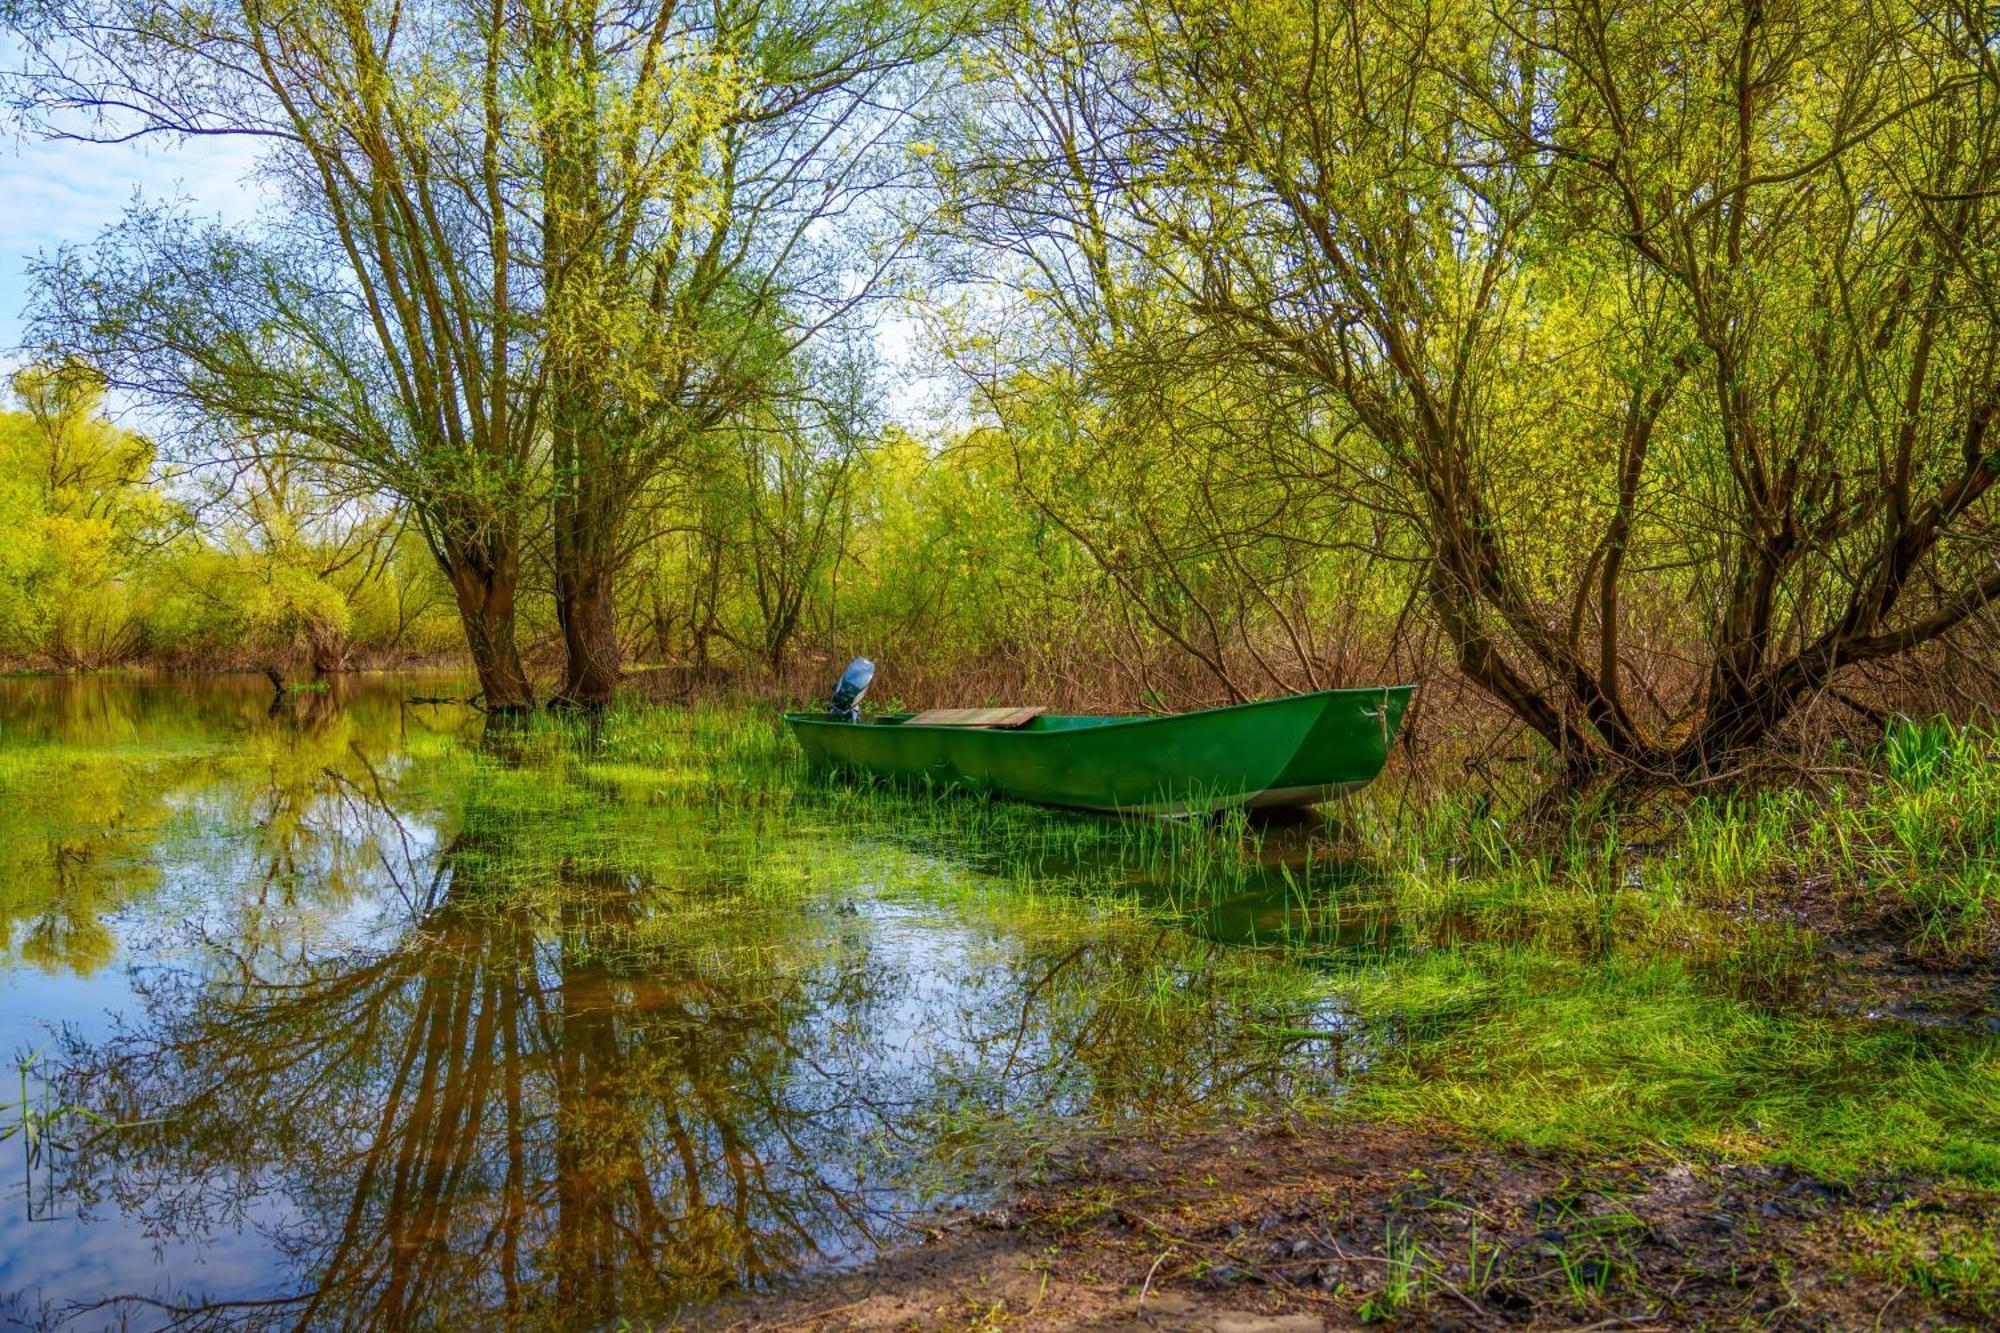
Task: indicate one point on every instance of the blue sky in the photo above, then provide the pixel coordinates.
(54, 193)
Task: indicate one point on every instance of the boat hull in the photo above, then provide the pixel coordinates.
(1294, 751)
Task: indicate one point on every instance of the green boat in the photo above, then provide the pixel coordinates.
(1294, 751)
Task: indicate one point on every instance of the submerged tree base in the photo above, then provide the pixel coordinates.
(1334, 1225)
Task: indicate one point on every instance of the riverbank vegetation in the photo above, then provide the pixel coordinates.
(108, 563)
(1626, 376)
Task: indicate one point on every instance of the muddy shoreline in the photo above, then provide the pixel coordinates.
(1292, 1227)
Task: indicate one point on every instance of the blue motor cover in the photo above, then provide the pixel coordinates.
(846, 701)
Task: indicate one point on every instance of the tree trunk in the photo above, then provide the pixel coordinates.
(586, 525)
(588, 494)
(483, 584)
(325, 651)
(663, 628)
(589, 619)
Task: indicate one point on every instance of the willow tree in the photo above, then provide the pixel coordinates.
(291, 562)
(707, 177)
(377, 317)
(1669, 332)
(1187, 474)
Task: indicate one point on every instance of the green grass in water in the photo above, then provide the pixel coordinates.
(1574, 996)
(1588, 994)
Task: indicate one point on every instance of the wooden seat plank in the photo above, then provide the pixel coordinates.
(996, 719)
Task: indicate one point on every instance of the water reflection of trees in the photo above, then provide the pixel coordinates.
(597, 1099)
(486, 1035)
(491, 1116)
(108, 782)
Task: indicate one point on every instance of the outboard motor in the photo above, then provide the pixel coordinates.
(845, 705)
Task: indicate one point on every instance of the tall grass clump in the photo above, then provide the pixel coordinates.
(1915, 840)
(1933, 832)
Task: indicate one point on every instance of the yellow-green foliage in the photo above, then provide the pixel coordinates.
(104, 562)
(76, 510)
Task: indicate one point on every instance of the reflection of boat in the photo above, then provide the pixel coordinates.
(1280, 752)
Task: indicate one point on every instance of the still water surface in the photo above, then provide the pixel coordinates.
(349, 1013)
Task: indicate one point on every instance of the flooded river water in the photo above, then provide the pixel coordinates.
(346, 1011)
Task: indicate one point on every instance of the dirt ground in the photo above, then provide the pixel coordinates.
(1272, 1230)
